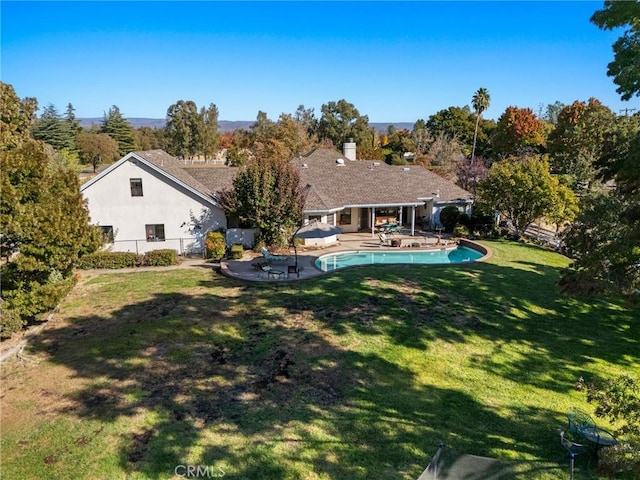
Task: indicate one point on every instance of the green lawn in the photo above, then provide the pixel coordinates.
(358, 374)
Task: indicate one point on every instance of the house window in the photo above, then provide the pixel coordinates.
(345, 217)
(315, 218)
(107, 233)
(136, 187)
(155, 233)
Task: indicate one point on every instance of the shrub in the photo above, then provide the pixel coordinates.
(215, 245)
(10, 321)
(24, 304)
(236, 252)
(618, 400)
(449, 217)
(461, 231)
(160, 258)
(109, 260)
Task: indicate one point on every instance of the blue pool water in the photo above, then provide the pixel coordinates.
(334, 261)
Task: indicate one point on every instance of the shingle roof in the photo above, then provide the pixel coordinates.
(333, 184)
(175, 168)
(367, 183)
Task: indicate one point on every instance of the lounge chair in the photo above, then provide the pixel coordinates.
(270, 258)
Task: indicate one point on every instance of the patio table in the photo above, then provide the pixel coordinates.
(597, 436)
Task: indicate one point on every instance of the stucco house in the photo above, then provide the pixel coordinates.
(146, 201)
(150, 200)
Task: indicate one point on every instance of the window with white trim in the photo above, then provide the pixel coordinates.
(155, 233)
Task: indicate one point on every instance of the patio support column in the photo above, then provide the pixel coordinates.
(373, 222)
(413, 220)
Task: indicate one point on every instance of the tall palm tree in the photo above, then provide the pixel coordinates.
(480, 103)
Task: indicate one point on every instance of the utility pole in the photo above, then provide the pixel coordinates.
(627, 110)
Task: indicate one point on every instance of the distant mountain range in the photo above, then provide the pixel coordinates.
(223, 125)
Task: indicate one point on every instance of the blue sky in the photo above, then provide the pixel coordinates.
(395, 61)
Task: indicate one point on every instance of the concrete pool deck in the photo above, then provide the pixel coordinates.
(244, 270)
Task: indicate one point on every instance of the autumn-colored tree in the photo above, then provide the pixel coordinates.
(524, 191)
(518, 128)
(267, 194)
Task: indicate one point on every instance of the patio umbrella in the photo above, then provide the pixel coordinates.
(317, 230)
(313, 230)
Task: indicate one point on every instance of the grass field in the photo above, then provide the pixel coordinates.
(358, 374)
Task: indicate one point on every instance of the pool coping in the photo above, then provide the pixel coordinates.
(463, 242)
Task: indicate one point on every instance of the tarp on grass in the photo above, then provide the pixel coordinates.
(449, 464)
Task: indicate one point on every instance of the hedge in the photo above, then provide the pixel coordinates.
(160, 258)
(114, 260)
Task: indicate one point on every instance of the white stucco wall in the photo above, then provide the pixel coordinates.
(163, 202)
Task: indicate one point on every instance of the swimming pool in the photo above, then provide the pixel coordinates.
(459, 254)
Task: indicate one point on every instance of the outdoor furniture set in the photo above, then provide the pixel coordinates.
(582, 427)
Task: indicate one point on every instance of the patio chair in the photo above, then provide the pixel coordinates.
(383, 238)
(270, 258)
(270, 272)
(579, 420)
(572, 447)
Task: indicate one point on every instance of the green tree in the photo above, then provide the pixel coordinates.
(421, 137)
(480, 102)
(184, 129)
(617, 399)
(604, 245)
(523, 191)
(305, 117)
(267, 194)
(552, 111)
(45, 218)
(52, 129)
(148, 138)
(72, 122)
(96, 148)
(209, 131)
(576, 142)
(341, 121)
(625, 67)
(118, 128)
(16, 117)
(454, 122)
(605, 238)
